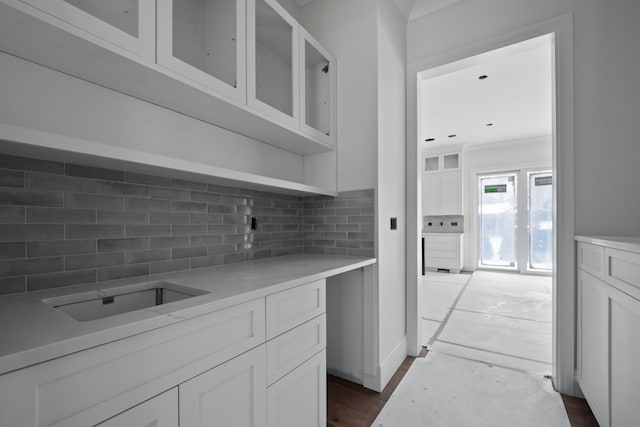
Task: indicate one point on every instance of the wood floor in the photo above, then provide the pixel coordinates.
(350, 404)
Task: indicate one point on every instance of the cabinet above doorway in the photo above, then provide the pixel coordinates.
(215, 61)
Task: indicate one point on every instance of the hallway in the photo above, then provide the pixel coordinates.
(489, 340)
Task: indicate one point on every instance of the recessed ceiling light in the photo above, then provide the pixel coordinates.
(429, 139)
(452, 135)
(489, 124)
(482, 77)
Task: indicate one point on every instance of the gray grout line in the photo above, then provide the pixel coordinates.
(449, 313)
(495, 352)
(500, 315)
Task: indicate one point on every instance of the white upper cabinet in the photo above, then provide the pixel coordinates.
(128, 24)
(317, 90)
(272, 62)
(204, 41)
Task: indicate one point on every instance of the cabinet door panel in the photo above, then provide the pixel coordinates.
(317, 90)
(625, 354)
(593, 344)
(129, 24)
(204, 40)
(451, 193)
(591, 259)
(272, 62)
(161, 411)
(431, 188)
(300, 398)
(233, 394)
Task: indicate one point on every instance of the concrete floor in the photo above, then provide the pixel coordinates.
(489, 340)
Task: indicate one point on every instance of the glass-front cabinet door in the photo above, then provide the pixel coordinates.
(272, 60)
(128, 24)
(317, 85)
(204, 41)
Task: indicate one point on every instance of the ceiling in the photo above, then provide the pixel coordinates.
(513, 102)
(411, 9)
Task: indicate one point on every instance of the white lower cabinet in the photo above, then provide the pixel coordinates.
(207, 370)
(231, 394)
(443, 251)
(608, 332)
(160, 411)
(299, 398)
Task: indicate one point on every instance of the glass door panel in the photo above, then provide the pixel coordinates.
(122, 14)
(540, 221)
(274, 58)
(498, 221)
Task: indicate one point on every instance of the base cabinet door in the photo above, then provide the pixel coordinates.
(160, 411)
(232, 394)
(593, 344)
(625, 354)
(299, 399)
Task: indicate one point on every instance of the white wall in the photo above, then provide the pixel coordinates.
(391, 174)
(535, 151)
(607, 93)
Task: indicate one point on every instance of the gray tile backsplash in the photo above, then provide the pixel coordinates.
(65, 224)
(443, 224)
(343, 225)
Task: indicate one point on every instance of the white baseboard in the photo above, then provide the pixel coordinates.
(387, 368)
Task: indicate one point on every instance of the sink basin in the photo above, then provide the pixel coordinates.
(103, 303)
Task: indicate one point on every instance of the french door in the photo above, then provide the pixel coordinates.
(515, 228)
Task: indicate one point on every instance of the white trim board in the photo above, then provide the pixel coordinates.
(388, 367)
(563, 169)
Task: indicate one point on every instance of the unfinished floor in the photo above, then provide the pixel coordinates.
(489, 340)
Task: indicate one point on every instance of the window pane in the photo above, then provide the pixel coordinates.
(540, 221)
(498, 221)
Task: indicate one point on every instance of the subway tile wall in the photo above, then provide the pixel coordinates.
(342, 225)
(66, 224)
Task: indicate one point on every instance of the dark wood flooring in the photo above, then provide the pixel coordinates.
(350, 404)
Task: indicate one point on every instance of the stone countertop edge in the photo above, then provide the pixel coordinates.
(34, 332)
(623, 243)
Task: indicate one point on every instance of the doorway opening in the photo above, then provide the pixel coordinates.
(561, 147)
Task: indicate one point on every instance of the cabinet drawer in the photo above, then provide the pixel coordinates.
(442, 263)
(451, 255)
(90, 386)
(622, 270)
(591, 259)
(161, 411)
(290, 308)
(289, 350)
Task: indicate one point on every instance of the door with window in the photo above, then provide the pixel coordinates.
(515, 229)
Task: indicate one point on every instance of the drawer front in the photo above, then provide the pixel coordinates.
(591, 259)
(452, 255)
(442, 263)
(442, 243)
(291, 349)
(290, 308)
(161, 411)
(63, 392)
(622, 270)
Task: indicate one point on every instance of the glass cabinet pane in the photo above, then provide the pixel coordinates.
(274, 59)
(204, 36)
(122, 14)
(450, 161)
(317, 89)
(431, 164)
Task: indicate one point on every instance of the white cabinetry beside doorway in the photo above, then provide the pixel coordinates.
(442, 185)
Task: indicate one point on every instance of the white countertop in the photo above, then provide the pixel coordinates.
(624, 243)
(33, 332)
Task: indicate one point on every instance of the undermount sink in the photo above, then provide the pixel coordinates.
(103, 303)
